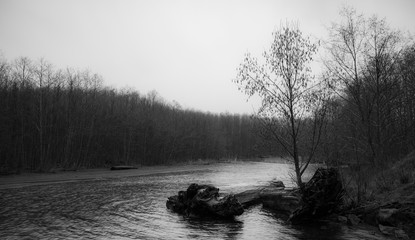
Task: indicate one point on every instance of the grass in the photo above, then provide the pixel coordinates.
(369, 184)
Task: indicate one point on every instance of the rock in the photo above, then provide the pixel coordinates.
(368, 213)
(400, 234)
(277, 184)
(321, 196)
(204, 201)
(342, 219)
(394, 217)
(352, 220)
(384, 216)
(387, 230)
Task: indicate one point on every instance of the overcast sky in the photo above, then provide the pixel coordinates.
(187, 51)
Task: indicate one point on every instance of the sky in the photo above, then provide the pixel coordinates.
(186, 50)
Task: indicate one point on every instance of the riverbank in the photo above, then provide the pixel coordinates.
(31, 179)
(388, 197)
(135, 207)
(61, 176)
(391, 210)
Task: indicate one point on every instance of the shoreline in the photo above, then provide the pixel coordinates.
(33, 179)
(14, 182)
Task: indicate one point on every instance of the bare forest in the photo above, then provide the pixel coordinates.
(67, 119)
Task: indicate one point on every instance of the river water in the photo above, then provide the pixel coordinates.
(134, 208)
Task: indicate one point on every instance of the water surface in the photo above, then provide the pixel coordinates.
(134, 208)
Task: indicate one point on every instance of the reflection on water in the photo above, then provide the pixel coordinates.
(134, 208)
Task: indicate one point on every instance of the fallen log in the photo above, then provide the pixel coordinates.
(204, 201)
(285, 202)
(321, 196)
(274, 197)
(249, 198)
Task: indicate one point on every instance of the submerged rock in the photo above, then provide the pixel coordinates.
(203, 201)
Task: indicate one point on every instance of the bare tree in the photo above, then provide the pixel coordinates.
(363, 63)
(363, 54)
(288, 91)
(42, 72)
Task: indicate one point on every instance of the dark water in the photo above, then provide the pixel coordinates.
(134, 208)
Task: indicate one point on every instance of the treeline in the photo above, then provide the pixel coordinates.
(68, 119)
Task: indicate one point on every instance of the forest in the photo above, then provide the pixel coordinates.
(67, 119)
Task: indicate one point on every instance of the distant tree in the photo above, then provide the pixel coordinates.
(289, 94)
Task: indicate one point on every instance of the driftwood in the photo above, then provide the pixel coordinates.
(122, 167)
(249, 198)
(274, 197)
(204, 201)
(284, 202)
(319, 197)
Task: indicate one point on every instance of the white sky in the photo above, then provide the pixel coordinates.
(187, 51)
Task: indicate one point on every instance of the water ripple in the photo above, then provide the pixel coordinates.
(134, 208)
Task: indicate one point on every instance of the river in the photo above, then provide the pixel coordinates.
(134, 207)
